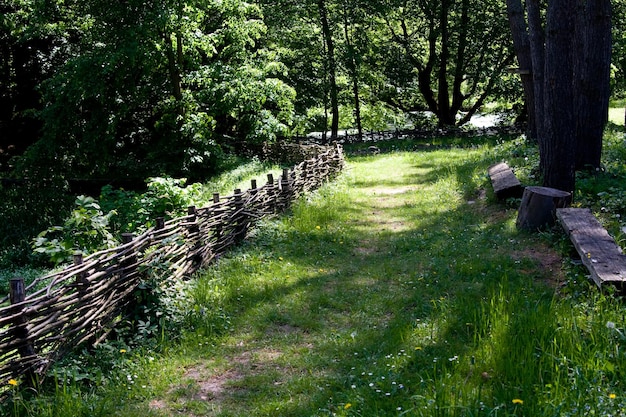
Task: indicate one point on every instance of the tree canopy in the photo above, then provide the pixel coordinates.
(133, 89)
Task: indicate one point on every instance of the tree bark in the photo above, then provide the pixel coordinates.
(559, 144)
(443, 93)
(332, 67)
(536, 37)
(173, 68)
(353, 68)
(592, 80)
(521, 43)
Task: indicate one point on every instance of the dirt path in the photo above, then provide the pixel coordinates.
(297, 347)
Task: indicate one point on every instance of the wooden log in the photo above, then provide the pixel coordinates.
(538, 207)
(505, 183)
(598, 250)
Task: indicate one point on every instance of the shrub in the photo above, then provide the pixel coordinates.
(86, 230)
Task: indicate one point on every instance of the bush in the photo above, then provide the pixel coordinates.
(86, 230)
(165, 197)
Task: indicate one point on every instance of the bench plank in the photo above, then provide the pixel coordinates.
(505, 183)
(599, 253)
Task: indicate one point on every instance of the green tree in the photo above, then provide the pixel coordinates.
(451, 54)
(161, 88)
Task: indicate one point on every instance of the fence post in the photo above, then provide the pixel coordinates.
(17, 294)
(81, 277)
(191, 211)
(240, 220)
(195, 243)
(160, 223)
(272, 194)
(217, 229)
(285, 188)
(131, 260)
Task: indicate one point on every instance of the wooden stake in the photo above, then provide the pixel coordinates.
(17, 295)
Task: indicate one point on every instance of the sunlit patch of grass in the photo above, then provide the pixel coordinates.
(616, 116)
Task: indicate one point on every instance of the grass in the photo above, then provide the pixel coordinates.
(402, 289)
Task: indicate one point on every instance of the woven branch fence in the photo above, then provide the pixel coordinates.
(82, 303)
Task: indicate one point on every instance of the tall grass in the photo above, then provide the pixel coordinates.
(395, 291)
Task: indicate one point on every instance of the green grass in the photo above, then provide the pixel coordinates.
(397, 290)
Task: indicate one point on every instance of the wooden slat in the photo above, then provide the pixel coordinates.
(505, 183)
(599, 253)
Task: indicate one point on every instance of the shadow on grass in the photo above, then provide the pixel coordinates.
(423, 314)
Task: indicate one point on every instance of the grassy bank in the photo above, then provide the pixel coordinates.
(401, 289)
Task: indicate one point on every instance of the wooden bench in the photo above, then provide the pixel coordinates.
(505, 183)
(599, 253)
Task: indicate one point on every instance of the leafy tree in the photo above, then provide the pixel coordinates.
(30, 51)
(162, 87)
(448, 54)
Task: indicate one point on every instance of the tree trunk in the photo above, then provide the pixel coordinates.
(521, 42)
(443, 92)
(172, 66)
(332, 68)
(592, 82)
(570, 75)
(354, 72)
(459, 75)
(559, 147)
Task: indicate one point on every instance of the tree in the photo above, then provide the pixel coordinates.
(592, 79)
(558, 146)
(160, 89)
(457, 52)
(331, 67)
(353, 59)
(30, 51)
(570, 62)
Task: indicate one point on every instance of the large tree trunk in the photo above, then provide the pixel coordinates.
(591, 83)
(559, 143)
(443, 91)
(536, 37)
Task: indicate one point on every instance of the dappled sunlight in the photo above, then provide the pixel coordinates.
(378, 295)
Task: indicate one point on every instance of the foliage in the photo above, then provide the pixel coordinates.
(159, 91)
(85, 231)
(26, 210)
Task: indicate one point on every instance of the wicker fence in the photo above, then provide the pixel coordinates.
(82, 303)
